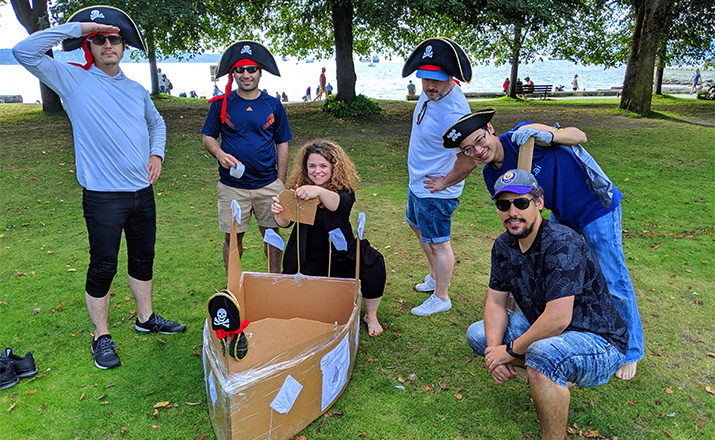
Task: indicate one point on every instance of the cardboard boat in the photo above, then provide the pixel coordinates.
(302, 337)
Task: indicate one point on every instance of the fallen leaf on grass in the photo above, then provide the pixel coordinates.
(710, 390)
(458, 396)
(669, 390)
(161, 404)
(193, 403)
(429, 388)
(102, 396)
(332, 414)
(81, 397)
(156, 427)
(444, 387)
(301, 437)
(124, 430)
(630, 402)
(201, 436)
(156, 412)
(31, 391)
(161, 340)
(35, 311)
(11, 407)
(667, 434)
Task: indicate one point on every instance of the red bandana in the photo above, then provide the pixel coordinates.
(223, 333)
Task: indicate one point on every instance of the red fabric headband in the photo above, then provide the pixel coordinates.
(88, 58)
(229, 85)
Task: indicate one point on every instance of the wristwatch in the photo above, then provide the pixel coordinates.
(510, 350)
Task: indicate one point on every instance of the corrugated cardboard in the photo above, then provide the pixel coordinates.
(296, 323)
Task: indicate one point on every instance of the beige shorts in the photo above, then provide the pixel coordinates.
(256, 201)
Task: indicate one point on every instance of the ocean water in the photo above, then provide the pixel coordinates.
(382, 81)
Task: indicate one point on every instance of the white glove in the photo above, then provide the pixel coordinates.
(520, 136)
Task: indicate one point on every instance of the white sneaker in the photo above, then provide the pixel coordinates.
(428, 285)
(432, 305)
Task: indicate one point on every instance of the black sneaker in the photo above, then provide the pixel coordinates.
(105, 355)
(157, 324)
(8, 378)
(24, 366)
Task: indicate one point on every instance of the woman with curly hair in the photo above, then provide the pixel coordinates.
(324, 170)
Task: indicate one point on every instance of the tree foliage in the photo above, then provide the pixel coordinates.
(170, 27)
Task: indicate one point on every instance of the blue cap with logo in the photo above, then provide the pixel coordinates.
(515, 181)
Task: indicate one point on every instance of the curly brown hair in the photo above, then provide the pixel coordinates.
(344, 175)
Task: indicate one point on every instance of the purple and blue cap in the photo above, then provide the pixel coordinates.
(515, 181)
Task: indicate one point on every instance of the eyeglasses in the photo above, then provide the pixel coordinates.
(422, 112)
(249, 69)
(99, 40)
(521, 204)
(469, 149)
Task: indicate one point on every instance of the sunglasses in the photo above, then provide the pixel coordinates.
(249, 69)
(99, 40)
(422, 112)
(521, 204)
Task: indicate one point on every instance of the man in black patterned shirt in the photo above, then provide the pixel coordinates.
(568, 329)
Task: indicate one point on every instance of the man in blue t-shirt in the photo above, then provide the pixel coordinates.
(253, 154)
(695, 80)
(576, 190)
(568, 329)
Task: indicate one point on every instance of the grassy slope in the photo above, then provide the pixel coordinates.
(663, 165)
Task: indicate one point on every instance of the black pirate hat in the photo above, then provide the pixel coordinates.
(439, 54)
(106, 15)
(225, 317)
(246, 50)
(465, 126)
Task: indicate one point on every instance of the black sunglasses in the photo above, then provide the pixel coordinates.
(249, 69)
(521, 204)
(422, 112)
(99, 40)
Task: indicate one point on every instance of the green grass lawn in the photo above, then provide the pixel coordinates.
(664, 165)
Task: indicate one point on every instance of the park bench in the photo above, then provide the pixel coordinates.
(541, 90)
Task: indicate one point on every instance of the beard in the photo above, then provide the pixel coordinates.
(523, 234)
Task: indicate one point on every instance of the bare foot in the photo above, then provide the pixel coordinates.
(373, 325)
(627, 371)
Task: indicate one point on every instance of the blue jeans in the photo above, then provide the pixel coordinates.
(432, 216)
(107, 214)
(583, 358)
(605, 238)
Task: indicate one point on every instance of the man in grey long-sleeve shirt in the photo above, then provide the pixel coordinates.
(119, 139)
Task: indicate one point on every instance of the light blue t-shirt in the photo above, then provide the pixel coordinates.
(427, 155)
(114, 122)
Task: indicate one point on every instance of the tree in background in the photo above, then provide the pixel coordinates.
(34, 17)
(514, 31)
(689, 39)
(171, 27)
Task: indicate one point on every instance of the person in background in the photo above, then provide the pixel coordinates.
(216, 91)
(329, 88)
(411, 88)
(284, 97)
(253, 154)
(438, 62)
(322, 81)
(505, 86)
(568, 329)
(167, 84)
(323, 169)
(519, 86)
(119, 140)
(574, 82)
(308, 96)
(695, 80)
(528, 85)
(193, 94)
(160, 80)
(576, 191)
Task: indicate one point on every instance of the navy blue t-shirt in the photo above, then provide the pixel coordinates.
(250, 134)
(558, 264)
(560, 174)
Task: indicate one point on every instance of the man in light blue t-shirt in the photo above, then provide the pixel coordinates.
(119, 139)
(438, 61)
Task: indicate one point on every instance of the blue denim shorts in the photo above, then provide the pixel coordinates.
(583, 358)
(433, 217)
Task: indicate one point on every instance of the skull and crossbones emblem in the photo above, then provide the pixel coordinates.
(222, 318)
(454, 135)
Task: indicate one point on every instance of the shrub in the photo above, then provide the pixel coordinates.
(361, 106)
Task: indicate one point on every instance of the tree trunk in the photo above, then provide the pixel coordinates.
(345, 68)
(662, 51)
(515, 55)
(34, 18)
(652, 17)
(151, 54)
